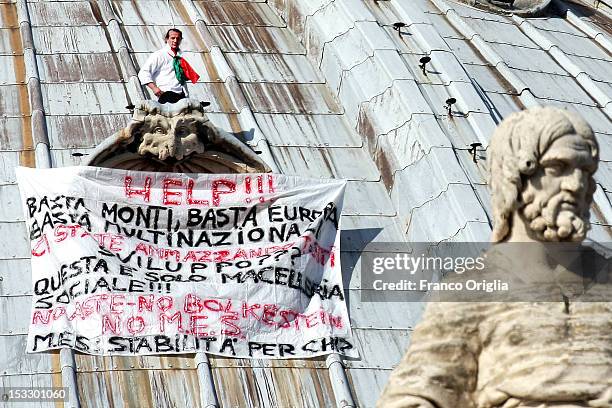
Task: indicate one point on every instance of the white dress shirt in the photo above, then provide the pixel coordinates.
(159, 69)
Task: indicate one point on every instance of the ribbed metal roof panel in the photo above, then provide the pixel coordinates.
(10, 102)
(312, 130)
(16, 277)
(152, 12)
(92, 129)
(84, 98)
(61, 40)
(7, 38)
(577, 45)
(10, 126)
(11, 205)
(238, 13)
(74, 13)
(8, 161)
(136, 388)
(280, 387)
(13, 308)
(368, 379)
(13, 361)
(255, 39)
(78, 67)
(286, 68)
(290, 98)
(348, 163)
(30, 380)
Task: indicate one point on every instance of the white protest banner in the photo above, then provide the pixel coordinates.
(135, 263)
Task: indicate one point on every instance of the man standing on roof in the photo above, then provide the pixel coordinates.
(166, 72)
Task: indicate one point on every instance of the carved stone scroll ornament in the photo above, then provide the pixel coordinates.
(509, 354)
(176, 138)
(525, 8)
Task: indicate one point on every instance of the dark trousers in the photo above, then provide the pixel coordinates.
(170, 97)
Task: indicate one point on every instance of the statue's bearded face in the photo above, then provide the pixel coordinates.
(170, 137)
(556, 198)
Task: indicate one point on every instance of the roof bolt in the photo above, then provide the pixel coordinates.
(449, 103)
(1, 278)
(424, 61)
(170, 365)
(398, 27)
(131, 365)
(473, 150)
(96, 368)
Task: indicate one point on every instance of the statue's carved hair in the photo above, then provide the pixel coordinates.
(514, 154)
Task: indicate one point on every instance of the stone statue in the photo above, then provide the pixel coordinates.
(529, 353)
(525, 8)
(176, 137)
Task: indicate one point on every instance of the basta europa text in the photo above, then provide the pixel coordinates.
(192, 227)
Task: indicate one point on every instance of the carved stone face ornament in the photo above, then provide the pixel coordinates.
(174, 137)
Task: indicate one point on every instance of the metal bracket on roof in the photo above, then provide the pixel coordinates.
(424, 61)
(449, 106)
(474, 149)
(398, 27)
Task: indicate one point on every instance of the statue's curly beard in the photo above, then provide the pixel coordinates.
(559, 218)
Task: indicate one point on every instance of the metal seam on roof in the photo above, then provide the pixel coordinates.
(454, 88)
(488, 53)
(200, 25)
(585, 27)
(119, 46)
(328, 41)
(462, 229)
(585, 81)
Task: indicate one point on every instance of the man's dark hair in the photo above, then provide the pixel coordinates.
(175, 30)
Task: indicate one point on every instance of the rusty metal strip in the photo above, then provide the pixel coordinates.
(39, 141)
(189, 12)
